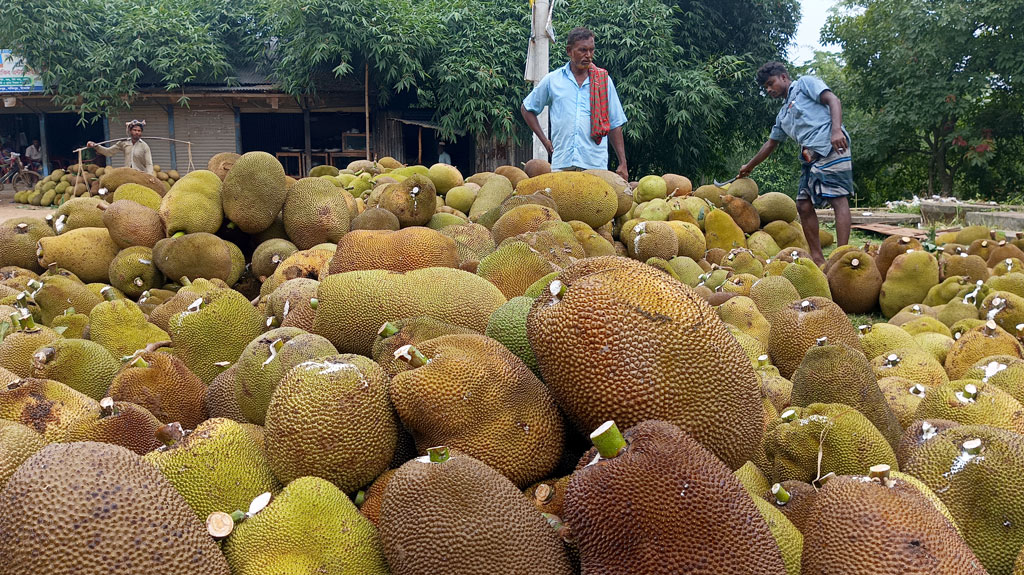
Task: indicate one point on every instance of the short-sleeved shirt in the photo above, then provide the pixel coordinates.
(804, 117)
(569, 104)
(136, 155)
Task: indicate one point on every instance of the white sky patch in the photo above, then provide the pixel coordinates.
(808, 32)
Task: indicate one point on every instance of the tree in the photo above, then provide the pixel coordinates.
(930, 76)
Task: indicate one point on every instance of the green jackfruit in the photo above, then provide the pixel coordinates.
(213, 329)
(48, 407)
(17, 443)
(254, 191)
(907, 281)
(86, 252)
(315, 212)
(507, 325)
(122, 328)
(198, 255)
(81, 364)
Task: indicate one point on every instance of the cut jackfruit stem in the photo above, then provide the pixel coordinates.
(412, 356)
(27, 322)
(44, 355)
(439, 454)
(880, 471)
(138, 282)
(821, 341)
(782, 496)
(788, 415)
(972, 446)
(272, 322)
(314, 303)
(170, 434)
(970, 391)
(139, 362)
(854, 263)
(107, 407)
(232, 225)
(543, 493)
(14, 320)
(864, 328)
(557, 289)
(360, 498)
(990, 328)
(150, 348)
(762, 361)
(184, 281)
(806, 305)
(108, 293)
(608, 440)
(219, 524)
(102, 206)
(387, 329)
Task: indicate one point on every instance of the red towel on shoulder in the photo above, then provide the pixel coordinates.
(600, 125)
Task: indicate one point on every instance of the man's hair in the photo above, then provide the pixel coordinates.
(770, 69)
(578, 34)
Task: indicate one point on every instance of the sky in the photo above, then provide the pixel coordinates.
(813, 15)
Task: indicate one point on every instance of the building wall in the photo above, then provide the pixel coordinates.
(210, 128)
(155, 116)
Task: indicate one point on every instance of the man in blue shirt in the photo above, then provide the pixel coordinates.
(813, 116)
(567, 91)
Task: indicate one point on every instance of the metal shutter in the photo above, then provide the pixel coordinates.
(211, 129)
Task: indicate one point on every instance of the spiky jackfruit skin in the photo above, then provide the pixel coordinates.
(19, 238)
(269, 254)
(514, 267)
(46, 406)
(474, 507)
(220, 397)
(525, 218)
(17, 443)
(103, 531)
(266, 359)
(983, 492)
(215, 330)
(129, 425)
(413, 200)
(796, 327)
(16, 348)
(193, 204)
(86, 252)
(627, 515)
(884, 338)
(290, 304)
(310, 264)
(476, 396)
(139, 194)
(473, 242)
(847, 442)
(771, 294)
(315, 212)
(616, 311)
(114, 178)
(310, 527)
(133, 224)
(578, 195)
(353, 305)
(405, 250)
(81, 364)
(410, 331)
(340, 397)
(1009, 374)
(164, 386)
(222, 163)
(907, 281)
(78, 213)
(872, 527)
(218, 466)
(978, 343)
(122, 328)
(855, 286)
(1006, 309)
(507, 325)
(787, 536)
(254, 191)
(840, 374)
(198, 255)
(59, 294)
(990, 406)
(132, 271)
(775, 206)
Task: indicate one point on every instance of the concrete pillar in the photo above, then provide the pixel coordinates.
(170, 133)
(42, 144)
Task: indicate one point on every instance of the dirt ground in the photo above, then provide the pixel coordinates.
(9, 209)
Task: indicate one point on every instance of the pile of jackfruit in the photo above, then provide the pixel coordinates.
(396, 369)
(86, 180)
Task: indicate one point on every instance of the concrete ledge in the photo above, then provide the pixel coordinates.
(871, 217)
(1006, 221)
(933, 211)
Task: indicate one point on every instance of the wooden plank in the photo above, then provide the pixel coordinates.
(890, 230)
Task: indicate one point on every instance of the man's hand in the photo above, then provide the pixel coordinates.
(548, 146)
(90, 144)
(839, 141)
(745, 170)
(622, 171)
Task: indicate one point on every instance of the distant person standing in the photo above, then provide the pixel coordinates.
(584, 108)
(443, 157)
(813, 116)
(136, 152)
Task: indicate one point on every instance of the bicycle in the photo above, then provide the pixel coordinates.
(16, 174)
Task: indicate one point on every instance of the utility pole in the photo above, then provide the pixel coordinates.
(537, 62)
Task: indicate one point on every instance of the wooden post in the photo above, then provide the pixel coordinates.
(307, 154)
(366, 106)
(419, 157)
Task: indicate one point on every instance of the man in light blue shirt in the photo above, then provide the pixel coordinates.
(567, 91)
(813, 116)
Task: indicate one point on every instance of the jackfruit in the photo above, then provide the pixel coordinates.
(797, 326)
(213, 329)
(199, 255)
(578, 195)
(744, 214)
(970, 266)
(882, 525)
(82, 365)
(408, 331)
(301, 264)
(132, 271)
(771, 294)
(265, 360)
(743, 313)
(471, 393)
(1006, 372)
(118, 423)
(775, 206)
(653, 239)
(944, 292)
(310, 527)
(507, 325)
(617, 302)
(854, 282)
(405, 250)
(785, 235)
(763, 244)
(907, 281)
(132, 224)
(1011, 282)
(840, 374)
(114, 178)
(975, 471)
(17, 443)
(413, 200)
(162, 384)
(473, 508)
(139, 194)
(972, 402)
(122, 328)
(807, 278)
(102, 491)
(86, 252)
(315, 212)
(625, 510)
(978, 343)
(936, 344)
(807, 443)
(193, 204)
(46, 406)
(78, 213)
(722, 232)
(56, 294)
(254, 191)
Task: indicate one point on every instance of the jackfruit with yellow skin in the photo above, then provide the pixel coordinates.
(787, 536)
(753, 479)
(912, 363)
(969, 464)
(86, 252)
(78, 213)
(343, 397)
(179, 300)
(71, 325)
(578, 195)
(908, 280)
(775, 206)
(653, 239)
(310, 527)
(218, 466)
(119, 423)
(686, 269)
(81, 364)
(18, 346)
(17, 443)
(254, 191)
(213, 329)
(133, 272)
(461, 198)
(785, 235)
(198, 255)
(601, 297)
(883, 338)
(978, 343)
(743, 313)
(473, 242)
(771, 294)
(1011, 282)
(352, 306)
(142, 195)
(513, 267)
(925, 324)
(797, 327)
(471, 393)
(1006, 372)
(936, 344)
(763, 244)
(413, 200)
(973, 402)
(593, 243)
(161, 383)
(892, 247)
(122, 328)
(840, 374)
(525, 218)
(844, 441)
(722, 232)
(46, 406)
(807, 278)
(266, 359)
(315, 212)
(193, 204)
(744, 261)
(405, 250)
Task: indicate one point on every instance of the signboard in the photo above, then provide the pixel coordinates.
(14, 77)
